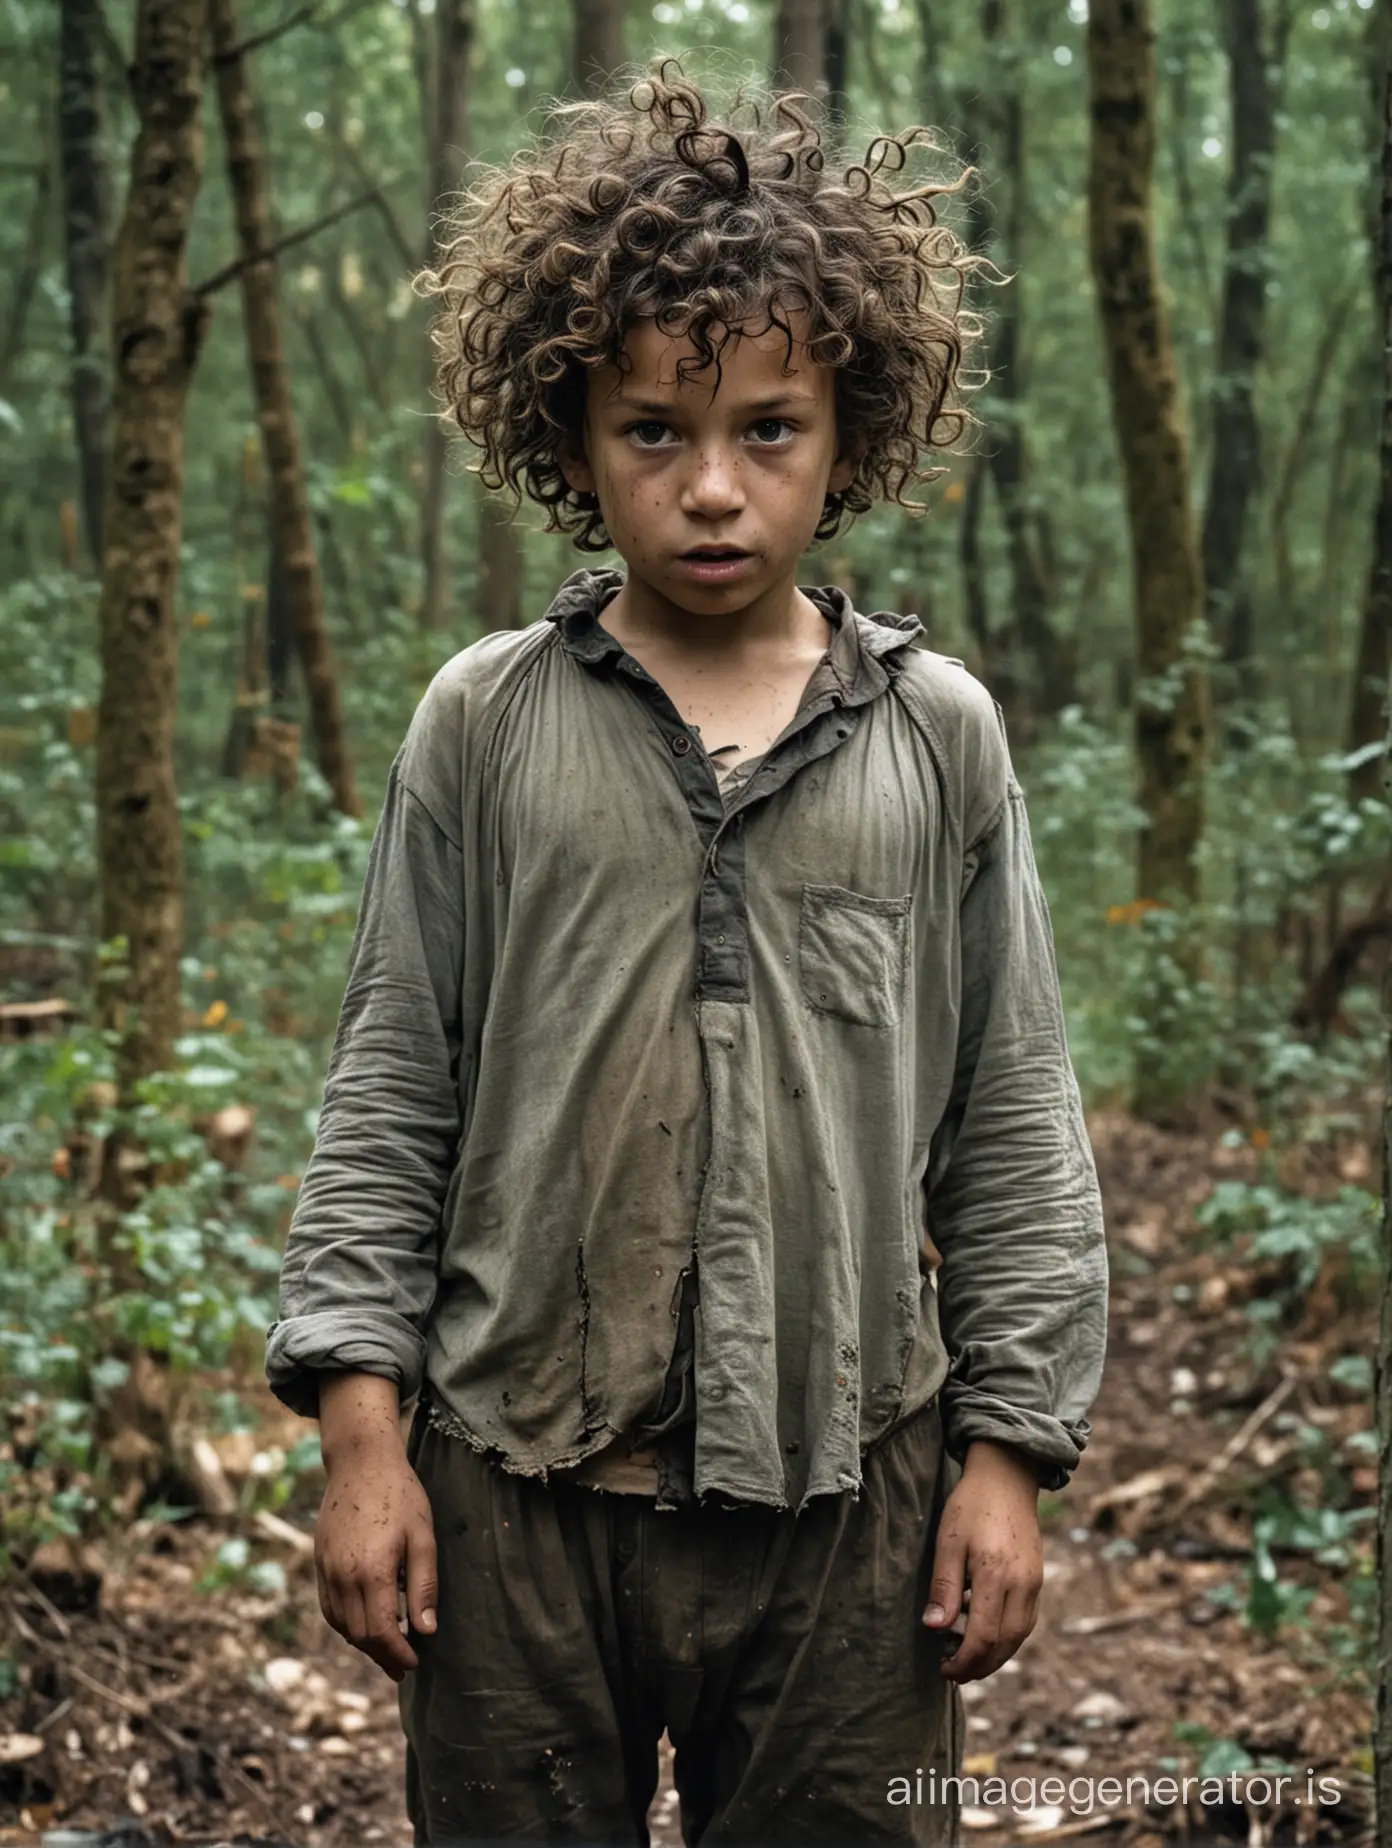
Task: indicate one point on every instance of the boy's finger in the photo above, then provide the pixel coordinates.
(945, 1592)
(383, 1640)
(328, 1600)
(421, 1578)
(352, 1625)
(980, 1637)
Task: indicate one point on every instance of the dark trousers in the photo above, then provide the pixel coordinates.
(783, 1654)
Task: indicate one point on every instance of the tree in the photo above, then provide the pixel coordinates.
(291, 523)
(800, 47)
(1255, 46)
(30, 266)
(157, 328)
(1171, 703)
(597, 43)
(1373, 656)
(445, 113)
(993, 114)
(1380, 600)
(87, 242)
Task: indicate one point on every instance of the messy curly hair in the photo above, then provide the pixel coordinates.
(644, 206)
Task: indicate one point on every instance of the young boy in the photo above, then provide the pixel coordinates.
(702, 969)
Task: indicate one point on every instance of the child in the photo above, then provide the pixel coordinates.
(702, 964)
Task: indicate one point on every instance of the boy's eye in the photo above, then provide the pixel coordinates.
(649, 432)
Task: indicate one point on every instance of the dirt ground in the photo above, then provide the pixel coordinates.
(149, 1711)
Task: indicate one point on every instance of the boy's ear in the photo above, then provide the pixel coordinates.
(574, 465)
(843, 469)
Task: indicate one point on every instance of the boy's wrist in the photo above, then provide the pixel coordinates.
(358, 1416)
(992, 1453)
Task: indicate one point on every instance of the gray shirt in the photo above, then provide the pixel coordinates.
(617, 1054)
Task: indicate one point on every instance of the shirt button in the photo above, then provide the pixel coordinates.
(681, 744)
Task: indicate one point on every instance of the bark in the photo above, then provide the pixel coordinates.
(26, 276)
(1288, 475)
(446, 118)
(993, 137)
(597, 43)
(156, 331)
(1254, 50)
(1171, 707)
(837, 35)
(993, 664)
(500, 565)
(1031, 591)
(289, 496)
(1374, 659)
(87, 234)
(1380, 593)
(799, 47)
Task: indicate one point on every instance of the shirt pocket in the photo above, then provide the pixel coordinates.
(853, 954)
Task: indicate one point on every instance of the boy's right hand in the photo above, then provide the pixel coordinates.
(374, 1531)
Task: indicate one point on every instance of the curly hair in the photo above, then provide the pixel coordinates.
(645, 206)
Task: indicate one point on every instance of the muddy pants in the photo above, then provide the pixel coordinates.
(783, 1654)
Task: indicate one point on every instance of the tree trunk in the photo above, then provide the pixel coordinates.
(500, 565)
(289, 496)
(1374, 658)
(156, 331)
(28, 270)
(445, 107)
(799, 47)
(1380, 602)
(1171, 706)
(1031, 592)
(1254, 57)
(993, 137)
(836, 39)
(597, 43)
(87, 235)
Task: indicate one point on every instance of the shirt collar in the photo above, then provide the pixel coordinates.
(862, 656)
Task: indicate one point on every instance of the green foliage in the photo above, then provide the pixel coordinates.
(1271, 1604)
(1293, 1236)
(233, 1565)
(1206, 999)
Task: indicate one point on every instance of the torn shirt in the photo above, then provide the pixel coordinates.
(611, 1045)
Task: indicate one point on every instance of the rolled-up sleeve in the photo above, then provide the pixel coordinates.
(361, 1260)
(1012, 1195)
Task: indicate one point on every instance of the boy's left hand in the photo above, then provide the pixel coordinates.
(989, 1546)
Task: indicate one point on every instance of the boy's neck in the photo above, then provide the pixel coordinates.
(781, 617)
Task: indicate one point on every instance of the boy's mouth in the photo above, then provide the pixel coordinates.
(713, 564)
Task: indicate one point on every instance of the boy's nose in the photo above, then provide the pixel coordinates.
(713, 485)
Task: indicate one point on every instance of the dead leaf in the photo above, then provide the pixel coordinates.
(1041, 1820)
(16, 1747)
(1099, 1705)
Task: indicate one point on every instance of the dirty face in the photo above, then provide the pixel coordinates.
(711, 487)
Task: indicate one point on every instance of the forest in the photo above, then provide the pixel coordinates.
(236, 544)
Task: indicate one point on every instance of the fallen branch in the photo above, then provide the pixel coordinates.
(1218, 1466)
(1120, 1620)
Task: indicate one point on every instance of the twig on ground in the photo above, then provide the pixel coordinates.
(1217, 1466)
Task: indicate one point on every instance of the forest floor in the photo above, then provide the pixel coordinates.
(157, 1712)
